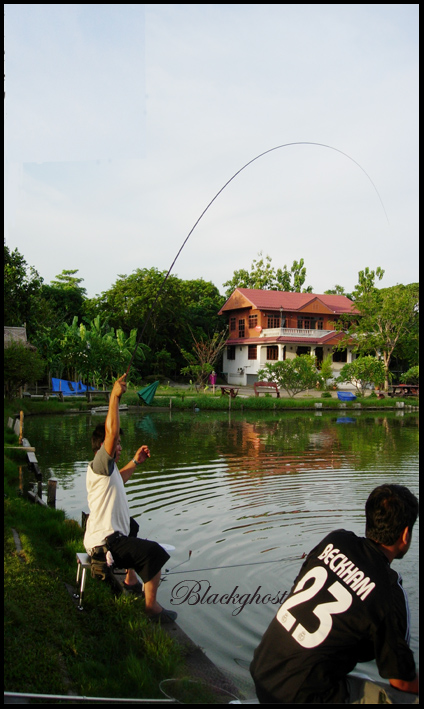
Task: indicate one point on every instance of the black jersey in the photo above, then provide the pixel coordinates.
(346, 606)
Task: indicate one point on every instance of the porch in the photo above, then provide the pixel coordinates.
(294, 332)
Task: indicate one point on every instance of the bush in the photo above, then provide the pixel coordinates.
(412, 376)
(22, 365)
(292, 375)
(363, 372)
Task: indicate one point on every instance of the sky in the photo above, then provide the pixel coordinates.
(123, 123)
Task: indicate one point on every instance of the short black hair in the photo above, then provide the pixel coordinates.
(99, 435)
(389, 510)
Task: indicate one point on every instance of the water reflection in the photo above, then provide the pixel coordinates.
(247, 494)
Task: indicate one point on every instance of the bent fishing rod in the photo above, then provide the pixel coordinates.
(277, 147)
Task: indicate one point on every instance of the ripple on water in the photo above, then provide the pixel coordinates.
(247, 498)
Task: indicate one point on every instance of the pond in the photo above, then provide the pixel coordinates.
(241, 497)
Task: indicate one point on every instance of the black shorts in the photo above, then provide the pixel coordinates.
(142, 555)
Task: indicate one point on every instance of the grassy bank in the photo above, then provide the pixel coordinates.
(272, 404)
(108, 650)
(189, 398)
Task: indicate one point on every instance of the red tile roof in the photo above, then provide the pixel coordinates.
(274, 300)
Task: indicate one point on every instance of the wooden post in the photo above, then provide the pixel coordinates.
(51, 491)
(21, 427)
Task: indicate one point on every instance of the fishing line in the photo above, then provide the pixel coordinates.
(277, 147)
(235, 566)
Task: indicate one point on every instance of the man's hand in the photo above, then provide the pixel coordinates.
(142, 454)
(120, 386)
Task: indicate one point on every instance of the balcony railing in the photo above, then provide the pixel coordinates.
(293, 332)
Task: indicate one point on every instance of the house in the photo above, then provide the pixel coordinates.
(15, 334)
(267, 326)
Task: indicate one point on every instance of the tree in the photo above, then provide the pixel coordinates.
(297, 273)
(201, 360)
(363, 372)
(21, 284)
(67, 280)
(48, 341)
(182, 309)
(366, 282)
(326, 371)
(292, 375)
(65, 300)
(201, 302)
(338, 290)
(388, 317)
(412, 376)
(96, 352)
(22, 365)
(263, 276)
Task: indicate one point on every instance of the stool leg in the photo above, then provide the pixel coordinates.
(82, 587)
(76, 594)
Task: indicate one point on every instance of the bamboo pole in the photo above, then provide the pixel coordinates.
(21, 427)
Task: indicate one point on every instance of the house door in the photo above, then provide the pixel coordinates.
(319, 354)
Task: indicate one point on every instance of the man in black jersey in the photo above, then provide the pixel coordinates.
(346, 606)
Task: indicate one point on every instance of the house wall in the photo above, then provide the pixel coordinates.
(290, 320)
(243, 371)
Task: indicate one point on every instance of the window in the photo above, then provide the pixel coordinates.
(231, 352)
(320, 324)
(340, 356)
(272, 352)
(273, 321)
(232, 324)
(241, 328)
(253, 321)
(252, 352)
(304, 324)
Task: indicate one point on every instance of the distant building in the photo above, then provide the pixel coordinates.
(15, 334)
(267, 326)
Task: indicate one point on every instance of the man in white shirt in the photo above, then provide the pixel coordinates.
(109, 524)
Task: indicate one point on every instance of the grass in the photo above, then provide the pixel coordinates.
(108, 650)
(219, 403)
(183, 398)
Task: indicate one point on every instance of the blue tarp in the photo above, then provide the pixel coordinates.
(69, 388)
(346, 396)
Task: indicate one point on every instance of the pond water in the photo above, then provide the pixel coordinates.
(241, 497)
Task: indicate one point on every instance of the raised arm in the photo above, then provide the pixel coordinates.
(112, 419)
